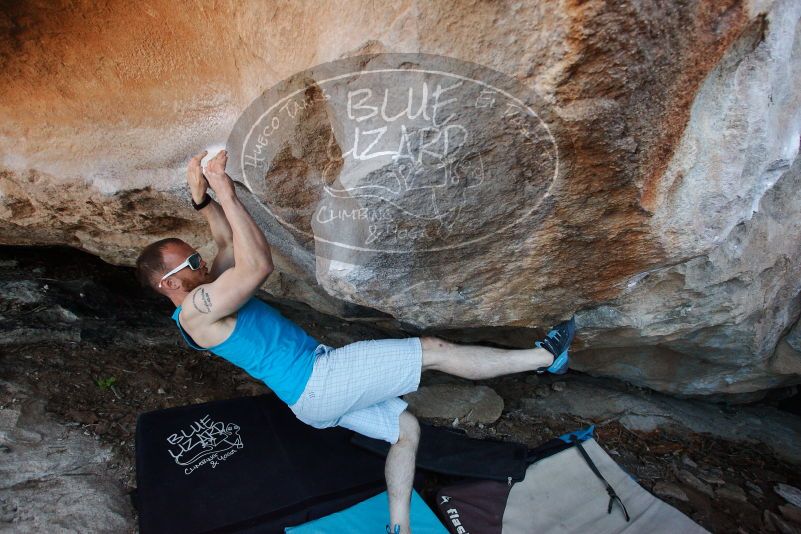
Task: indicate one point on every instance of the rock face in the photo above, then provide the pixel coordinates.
(73, 490)
(599, 401)
(670, 225)
(476, 404)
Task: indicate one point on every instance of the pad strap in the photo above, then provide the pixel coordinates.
(613, 497)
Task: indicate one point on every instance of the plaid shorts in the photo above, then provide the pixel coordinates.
(358, 386)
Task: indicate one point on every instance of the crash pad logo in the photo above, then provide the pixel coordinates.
(396, 153)
(205, 442)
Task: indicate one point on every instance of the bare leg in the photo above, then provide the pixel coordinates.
(475, 362)
(399, 472)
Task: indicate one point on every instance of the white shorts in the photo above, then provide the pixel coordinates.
(357, 386)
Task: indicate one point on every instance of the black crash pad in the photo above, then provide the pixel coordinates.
(244, 465)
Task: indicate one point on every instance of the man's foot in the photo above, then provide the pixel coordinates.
(557, 342)
(395, 530)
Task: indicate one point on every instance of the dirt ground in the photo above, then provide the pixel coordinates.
(101, 351)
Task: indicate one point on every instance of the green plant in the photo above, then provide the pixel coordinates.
(106, 383)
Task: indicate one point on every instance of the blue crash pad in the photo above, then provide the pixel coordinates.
(372, 516)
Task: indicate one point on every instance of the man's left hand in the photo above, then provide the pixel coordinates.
(194, 177)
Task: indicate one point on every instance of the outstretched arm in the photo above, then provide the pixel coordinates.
(252, 258)
(214, 214)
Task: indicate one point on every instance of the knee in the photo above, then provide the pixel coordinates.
(322, 424)
(435, 351)
(409, 428)
(433, 343)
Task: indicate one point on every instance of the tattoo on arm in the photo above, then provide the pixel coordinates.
(202, 301)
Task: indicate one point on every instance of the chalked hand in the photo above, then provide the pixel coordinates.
(194, 177)
(219, 181)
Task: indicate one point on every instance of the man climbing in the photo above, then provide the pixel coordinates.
(356, 386)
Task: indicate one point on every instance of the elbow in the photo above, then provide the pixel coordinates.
(258, 265)
(257, 274)
(265, 269)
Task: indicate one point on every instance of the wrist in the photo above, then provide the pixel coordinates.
(226, 196)
(199, 205)
(198, 196)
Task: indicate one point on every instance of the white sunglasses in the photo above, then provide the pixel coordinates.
(193, 262)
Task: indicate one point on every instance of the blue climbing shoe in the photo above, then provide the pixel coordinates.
(395, 530)
(557, 342)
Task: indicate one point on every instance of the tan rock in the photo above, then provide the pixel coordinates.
(776, 523)
(790, 493)
(666, 489)
(731, 492)
(692, 481)
(791, 513)
(479, 404)
(671, 225)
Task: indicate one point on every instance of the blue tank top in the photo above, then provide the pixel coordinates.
(268, 346)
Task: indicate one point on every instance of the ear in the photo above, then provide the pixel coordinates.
(171, 283)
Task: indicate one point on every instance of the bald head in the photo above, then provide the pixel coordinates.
(151, 264)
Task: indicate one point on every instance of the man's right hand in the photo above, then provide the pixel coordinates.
(219, 181)
(194, 177)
